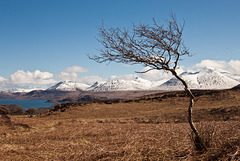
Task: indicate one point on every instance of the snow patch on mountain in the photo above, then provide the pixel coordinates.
(68, 86)
(230, 75)
(122, 85)
(204, 79)
(211, 79)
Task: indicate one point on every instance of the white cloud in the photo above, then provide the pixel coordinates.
(67, 76)
(2, 79)
(75, 69)
(232, 66)
(3, 83)
(36, 77)
(71, 73)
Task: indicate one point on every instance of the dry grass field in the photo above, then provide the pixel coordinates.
(152, 127)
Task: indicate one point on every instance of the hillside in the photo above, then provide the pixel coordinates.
(52, 94)
(152, 127)
(162, 106)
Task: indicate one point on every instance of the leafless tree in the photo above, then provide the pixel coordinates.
(158, 46)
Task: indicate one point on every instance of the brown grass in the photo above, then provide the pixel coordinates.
(147, 129)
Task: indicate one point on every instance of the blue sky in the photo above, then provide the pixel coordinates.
(53, 35)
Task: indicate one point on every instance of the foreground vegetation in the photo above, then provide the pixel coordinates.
(148, 128)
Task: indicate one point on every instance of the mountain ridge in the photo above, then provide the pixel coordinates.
(206, 78)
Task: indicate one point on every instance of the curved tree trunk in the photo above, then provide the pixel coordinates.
(190, 121)
(191, 103)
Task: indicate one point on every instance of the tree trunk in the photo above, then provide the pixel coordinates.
(190, 121)
(191, 103)
(198, 141)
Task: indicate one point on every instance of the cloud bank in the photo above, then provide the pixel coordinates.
(36, 77)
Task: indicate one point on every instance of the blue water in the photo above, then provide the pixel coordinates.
(28, 103)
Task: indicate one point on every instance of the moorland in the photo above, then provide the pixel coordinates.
(151, 127)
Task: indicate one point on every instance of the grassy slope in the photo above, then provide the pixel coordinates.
(152, 127)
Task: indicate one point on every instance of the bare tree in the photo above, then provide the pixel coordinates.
(158, 46)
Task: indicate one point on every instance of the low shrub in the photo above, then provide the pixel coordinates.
(31, 111)
(16, 110)
(4, 110)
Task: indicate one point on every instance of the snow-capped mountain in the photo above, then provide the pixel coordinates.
(122, 85)
(204, 79)
(68, 86)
